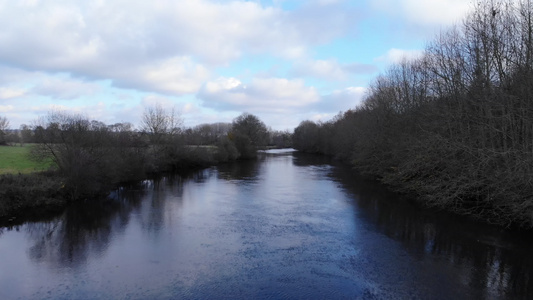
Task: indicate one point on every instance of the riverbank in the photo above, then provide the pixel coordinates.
(40, 195)
(495, 201)
(90, 158)
(28, 196)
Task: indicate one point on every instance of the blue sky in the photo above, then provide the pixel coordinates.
(282, 60)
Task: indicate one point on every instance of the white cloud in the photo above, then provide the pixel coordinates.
(324, 69)
(6, 108)
(9, 93)
(261, 95)
(152, 100)
(426, 12)
(444, 12)
(282, 103)
(175, 76)
(166, 46)
(65, 89)
(330, 69)
(397, 55)
(98, 111)
(10, 76)
(190, 108)
(43, 109)
(321, 117)
(342, 100)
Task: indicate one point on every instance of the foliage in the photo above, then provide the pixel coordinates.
(26, 134)
(306, 137)
(226, 150)
(249, 134)
(280, 139)
(29, 194)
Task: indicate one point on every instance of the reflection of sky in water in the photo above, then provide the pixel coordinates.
(285, 226)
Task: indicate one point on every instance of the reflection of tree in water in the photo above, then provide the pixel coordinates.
(242, 170)
(306, 159)
(489, 258)
(159, 193)
(199, 176)
(83, 229)
(87, 229)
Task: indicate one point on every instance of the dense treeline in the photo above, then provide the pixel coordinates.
(454, 126)
(89, 157)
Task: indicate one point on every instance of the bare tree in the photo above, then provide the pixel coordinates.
(456, 126)
(4, 125)
(160, 123)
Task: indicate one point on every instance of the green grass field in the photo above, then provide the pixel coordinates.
(16, 159)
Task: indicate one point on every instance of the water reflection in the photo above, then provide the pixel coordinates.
(287, 225)
(494, 261)
(82, 230)
(241, 171)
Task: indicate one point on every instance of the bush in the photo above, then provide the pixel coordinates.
(249, 134)
(25, 195)
(226, 150)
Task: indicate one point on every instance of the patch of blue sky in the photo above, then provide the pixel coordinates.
(346, 51)
(370, 47)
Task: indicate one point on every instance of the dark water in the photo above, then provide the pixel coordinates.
(286, 226)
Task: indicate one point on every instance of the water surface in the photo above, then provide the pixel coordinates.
(285, 226)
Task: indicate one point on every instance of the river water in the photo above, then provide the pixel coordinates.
(287, 226)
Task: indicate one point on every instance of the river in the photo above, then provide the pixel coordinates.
(286, 226)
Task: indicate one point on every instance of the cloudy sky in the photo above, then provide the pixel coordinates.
(283, 60)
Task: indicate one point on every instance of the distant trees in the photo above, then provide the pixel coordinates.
(249, 134)
(239, 139)
(163, 128)
(4, 125)
(213, 134)
(26, 134)
(160, 124)
(306, 137)
(207, 134)
(88, 157)
(91, 156)
(280, 139)
(78, 149)
(454, 126)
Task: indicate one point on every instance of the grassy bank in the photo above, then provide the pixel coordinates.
(28, 192)
(16, 159)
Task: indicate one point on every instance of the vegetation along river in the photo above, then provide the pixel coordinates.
(285, 226)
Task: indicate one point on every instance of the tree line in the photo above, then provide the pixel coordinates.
(454, 127)
(89, 158)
